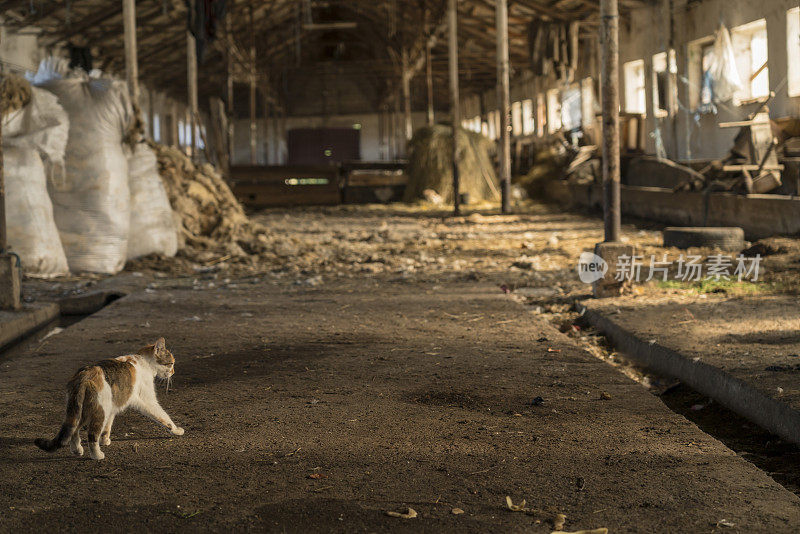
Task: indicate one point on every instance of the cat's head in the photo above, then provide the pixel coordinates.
(160, 358)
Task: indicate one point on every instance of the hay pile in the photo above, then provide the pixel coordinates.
(430, 165)
(212, 223)
(15, 93)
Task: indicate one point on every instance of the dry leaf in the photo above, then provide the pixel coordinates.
(457, 511)
(317, 475)
(515, 507)
(410, 514)
(594, 531)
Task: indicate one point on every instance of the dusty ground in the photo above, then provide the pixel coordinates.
(377, 359)
(319, 409)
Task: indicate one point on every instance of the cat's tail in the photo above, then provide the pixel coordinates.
(71, 422)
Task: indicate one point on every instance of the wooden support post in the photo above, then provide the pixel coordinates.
(266, 122)
(429, 71)
(452, 21)
(504, 102)
(174, 133)
(408, 127)
(429, 84)
(253, 125)
(229, 87)
(191, 74)
(609, 37)
(131, 61)
(3, 235)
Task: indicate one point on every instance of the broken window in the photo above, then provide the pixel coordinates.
(635, 100)
(663, 83)
(750, 48)
(793, 49)
(528, 120)
(553, 111)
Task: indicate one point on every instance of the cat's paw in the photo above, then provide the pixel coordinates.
(77, 450)
(105, 440)
(178, 431)
(96, 455)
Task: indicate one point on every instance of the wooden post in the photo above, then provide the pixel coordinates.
(429, 71)
(266, 122)
(229, 88)
(191, 73)
(3, 235)
(408, 126)
(131, 61)
(504, 102)
(174, 133)
(253, 126)
(452, 21)
(609, 37)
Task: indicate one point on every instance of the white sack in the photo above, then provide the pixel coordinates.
(723, 71)
(34, 139)
(152, 225)
(92, 203)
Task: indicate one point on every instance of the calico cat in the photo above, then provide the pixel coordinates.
(97, 393)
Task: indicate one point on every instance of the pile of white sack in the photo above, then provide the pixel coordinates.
(84, 197)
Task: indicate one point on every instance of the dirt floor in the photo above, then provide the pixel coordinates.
(380, 360)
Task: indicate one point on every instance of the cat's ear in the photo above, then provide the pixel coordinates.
(161, 345)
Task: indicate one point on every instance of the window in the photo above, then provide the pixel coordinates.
(181, 134)
(571, 108)
(701, 55)
(635, 99)
(587, 102)
(493, 119)
(750, 49)
(156, 128)
(516, 118)
(528, 122)
(793, 49)
(553, 111)
(664, 83)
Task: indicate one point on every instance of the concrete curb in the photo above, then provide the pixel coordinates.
(16, 325)
(737, 395)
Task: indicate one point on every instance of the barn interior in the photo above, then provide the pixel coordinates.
(423, 265)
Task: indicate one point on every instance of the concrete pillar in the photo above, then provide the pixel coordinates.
(609, 35)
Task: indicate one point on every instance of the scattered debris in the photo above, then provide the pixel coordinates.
(410, 514)
(605, 395)
(317, 476)
(537, 401)
(456, 511)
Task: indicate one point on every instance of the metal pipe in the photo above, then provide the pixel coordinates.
(504, 102)
(452, 22)
(609, 37)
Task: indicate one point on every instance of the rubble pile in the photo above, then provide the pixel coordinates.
(212, 224)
